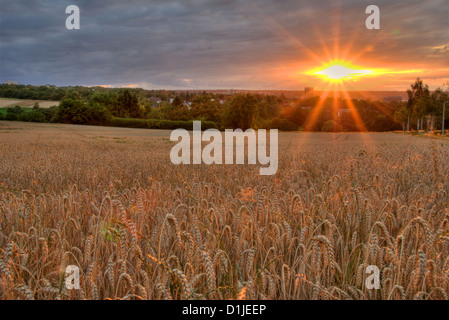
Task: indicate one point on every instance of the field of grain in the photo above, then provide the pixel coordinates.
(25, 103)
(109, 201)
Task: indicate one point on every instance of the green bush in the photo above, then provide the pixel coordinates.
(11, 116)
(283, 125)
(33, 116)
(77, 112)
(49, 113)
(158, 124)
(98, 114)
(72, 111)
(171, 125)
(15, 110)
(331, 126)
(128, 123)
(2, 117)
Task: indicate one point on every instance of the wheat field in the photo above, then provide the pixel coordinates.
(110, 202)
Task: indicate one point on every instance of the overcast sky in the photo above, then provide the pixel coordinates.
(222, 44)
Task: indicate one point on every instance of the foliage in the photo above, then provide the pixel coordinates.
(49, 113)
(127, 105)
(128, 123)
(241, 112)
(98, 113)
(205, 107)
(33, 116)
(95, 105)
(283, 124)
(174, 110)
(159, 124)
(72, 111)
(171, 125)
(15, 110)
(11, 117)
(331, 126)
(104, 98)
(13, 113)
(77, 112)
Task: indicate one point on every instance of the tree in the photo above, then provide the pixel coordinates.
(49, 113)
(381, 123)
(241, 112)
(127, 105)
(107, 99)
(430, 106)
(14, 110)
(175, 110)
(98, 113)
(72, 94)
(401, 116)
(32, 116)
(268, 108)
(205, 107)
(283, 124)
(420, 110)
(435, 107)
(72, 111)
(416, 92)
(331, 126)
(177, 102)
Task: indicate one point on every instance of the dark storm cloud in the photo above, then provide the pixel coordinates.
(205, 44)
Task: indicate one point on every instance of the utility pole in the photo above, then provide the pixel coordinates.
(444, 111)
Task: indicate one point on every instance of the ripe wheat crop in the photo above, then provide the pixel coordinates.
(138, 227)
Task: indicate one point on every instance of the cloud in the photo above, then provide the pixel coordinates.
(212, 43)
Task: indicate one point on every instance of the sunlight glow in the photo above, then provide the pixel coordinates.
(336, 71)
(341, 72)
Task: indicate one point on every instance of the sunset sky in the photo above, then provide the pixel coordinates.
(212, 44)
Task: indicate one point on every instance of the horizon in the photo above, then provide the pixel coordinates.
(237, 90)
(213, 45)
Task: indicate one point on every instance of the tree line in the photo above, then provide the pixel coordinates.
(167, 109)
(424, 109)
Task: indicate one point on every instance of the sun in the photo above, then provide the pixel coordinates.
(337, 71)
(341, 72)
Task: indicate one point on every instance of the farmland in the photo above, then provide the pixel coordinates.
(24, 103)
(109, 201)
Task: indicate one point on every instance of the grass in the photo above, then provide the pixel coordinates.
(139, 227)
(4, 111)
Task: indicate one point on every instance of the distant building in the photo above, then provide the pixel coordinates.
(309, 92)
(392, 99)
(341, 112)
(11, 82)
(154, 101)
(188, 105)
